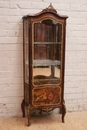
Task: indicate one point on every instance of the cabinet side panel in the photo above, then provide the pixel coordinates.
(26, 59)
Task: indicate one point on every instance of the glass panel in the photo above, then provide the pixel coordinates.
(47, 52)
(26, 48)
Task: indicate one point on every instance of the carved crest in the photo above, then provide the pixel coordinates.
(50, 8)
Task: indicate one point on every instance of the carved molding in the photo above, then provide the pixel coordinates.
(47, 109)
(50, 8)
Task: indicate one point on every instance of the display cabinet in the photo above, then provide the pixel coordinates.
(44, 61)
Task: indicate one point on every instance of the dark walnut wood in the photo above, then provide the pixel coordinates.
(23, 107)
(44, 62)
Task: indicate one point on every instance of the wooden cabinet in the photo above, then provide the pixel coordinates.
(44, 60)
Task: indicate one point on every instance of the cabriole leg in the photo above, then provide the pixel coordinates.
(63, 112)
(23, 107)
(28, 114)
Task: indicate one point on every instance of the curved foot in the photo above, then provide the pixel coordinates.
(23, 107)
(28, 124)
(63, 112)
(28, 114)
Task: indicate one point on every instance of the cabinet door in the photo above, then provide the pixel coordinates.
(47, 56)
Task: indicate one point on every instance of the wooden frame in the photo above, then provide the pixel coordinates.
(50, 94)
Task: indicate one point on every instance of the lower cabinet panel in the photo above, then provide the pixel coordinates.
(46, 96)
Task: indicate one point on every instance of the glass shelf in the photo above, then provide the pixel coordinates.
(46, 62)
(47, 42)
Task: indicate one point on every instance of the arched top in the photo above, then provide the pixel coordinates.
(49, 9)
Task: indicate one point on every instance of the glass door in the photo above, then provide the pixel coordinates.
(47, 52)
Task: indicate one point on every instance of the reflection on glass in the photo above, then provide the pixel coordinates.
(47, 52)
(26, 48)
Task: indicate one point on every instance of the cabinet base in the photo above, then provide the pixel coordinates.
(45, 109)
